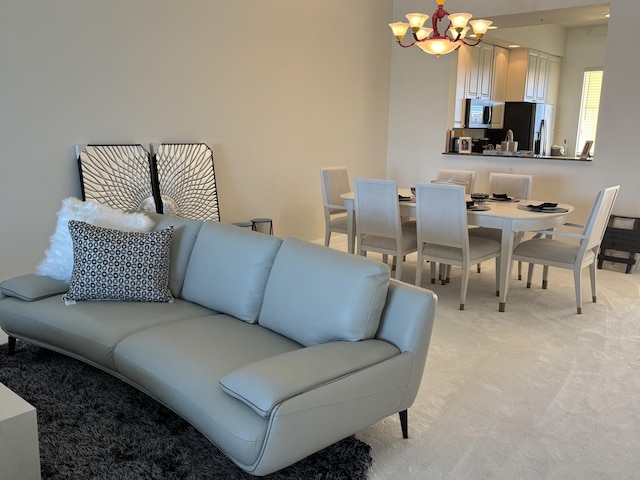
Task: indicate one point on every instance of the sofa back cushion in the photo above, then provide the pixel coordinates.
(185, 232)
(317, 295)
(228, 269)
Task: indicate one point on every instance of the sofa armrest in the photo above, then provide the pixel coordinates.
(264, 384)
(31, 287)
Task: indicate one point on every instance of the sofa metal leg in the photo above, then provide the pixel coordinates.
(404, 423)
(12, 345)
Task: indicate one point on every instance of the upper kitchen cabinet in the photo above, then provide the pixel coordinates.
(482, 74)
(499, 89)
(532, 76)
(479, 72)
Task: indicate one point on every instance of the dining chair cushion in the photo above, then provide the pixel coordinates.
(408, 239)
(550, 249)
(353, 289)
(478, 247)
(340, 221)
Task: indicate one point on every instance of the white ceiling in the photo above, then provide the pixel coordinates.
(567, 17)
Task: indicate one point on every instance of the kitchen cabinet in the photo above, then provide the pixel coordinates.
(499, 88)
(480, 72)
(532, 76)
(474, 77)
(553, 80)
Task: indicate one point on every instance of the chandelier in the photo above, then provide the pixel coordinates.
(430, 40)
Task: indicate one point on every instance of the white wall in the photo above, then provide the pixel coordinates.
(275, 106)
(278, 88)
(418, 116)
(585, 50)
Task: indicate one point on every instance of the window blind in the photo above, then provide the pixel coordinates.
(589, 107)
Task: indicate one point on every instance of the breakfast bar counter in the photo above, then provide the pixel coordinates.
(516, 155)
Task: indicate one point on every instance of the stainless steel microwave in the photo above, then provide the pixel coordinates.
(478, 113)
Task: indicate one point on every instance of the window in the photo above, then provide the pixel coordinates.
(589, 106)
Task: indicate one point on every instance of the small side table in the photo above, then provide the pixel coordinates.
(19, 449)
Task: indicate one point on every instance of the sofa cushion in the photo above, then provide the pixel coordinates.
(182, 362)
(115, 265)
(185, 232)
(317, 295)
(228, 269)
(31, 287)
(58, 261)
(89, 330)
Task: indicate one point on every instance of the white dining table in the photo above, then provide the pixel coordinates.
(505, 216)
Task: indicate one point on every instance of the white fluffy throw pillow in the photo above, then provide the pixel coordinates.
(58, 261)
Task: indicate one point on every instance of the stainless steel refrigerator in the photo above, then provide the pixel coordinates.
(531, 124)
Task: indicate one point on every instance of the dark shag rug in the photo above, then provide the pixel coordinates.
(94, 426)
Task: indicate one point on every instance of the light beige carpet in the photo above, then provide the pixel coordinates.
(537, 392)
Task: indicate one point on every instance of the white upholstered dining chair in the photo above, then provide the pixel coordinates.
(547, 251)
(513, 185)
(334, 182)
(453, 176)
(443, 234)
(378, 224)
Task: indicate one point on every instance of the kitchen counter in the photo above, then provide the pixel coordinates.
(521, 155)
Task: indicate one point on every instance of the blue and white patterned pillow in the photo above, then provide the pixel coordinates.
(112, 264)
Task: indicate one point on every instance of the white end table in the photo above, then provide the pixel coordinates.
(19, 450)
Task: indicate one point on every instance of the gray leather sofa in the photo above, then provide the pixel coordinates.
(272, 349)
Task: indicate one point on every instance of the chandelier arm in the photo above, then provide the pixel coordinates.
(406, 46)
(469, 44)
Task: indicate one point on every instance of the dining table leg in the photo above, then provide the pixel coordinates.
(506, 253)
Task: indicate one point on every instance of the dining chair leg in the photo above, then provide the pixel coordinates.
(530, 274)
(398, 262)
(545, 274)
(479, 269)
(577, 273)
(419, 266)
(592, 274)
(433, 271)
(519, 270)
(498, 276)
(327, 238)
(464, 284)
